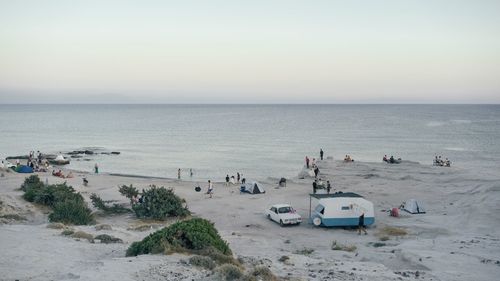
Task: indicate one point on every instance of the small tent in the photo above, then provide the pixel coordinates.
(24, 169)
(254, 188)
(413, 206)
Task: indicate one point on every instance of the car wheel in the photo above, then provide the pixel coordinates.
(281, 223)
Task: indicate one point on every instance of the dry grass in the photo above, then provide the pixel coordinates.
(14, 217)
(392, 231)
(384, 238)
(341, 247)
(56, 225)
(305, 251)
(83, 235)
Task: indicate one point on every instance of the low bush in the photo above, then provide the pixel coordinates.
(107, 239)
(159, 203)
(202, 261)
(71, 212)
(67, 232)
(30, 182)
(194, 234)
(261, 273)
(305, 251)
(340, 247)
(229, 272)
(102, 205)
(393, 231)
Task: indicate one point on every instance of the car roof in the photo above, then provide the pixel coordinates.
(281, 205)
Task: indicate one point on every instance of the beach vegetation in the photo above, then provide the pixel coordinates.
(202, 261)
(341, 247)
(72, 212)
(129, 191)
(67, 232)
(15, 217)
(393, 231)
(159, 203)
(229, 272)
(261, 273)
(304, 251)
(107, 239)
(83, 235)
(195, 234)
(105, 206)
(68, 206)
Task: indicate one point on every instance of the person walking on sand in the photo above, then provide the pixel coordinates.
(179, 173)
(227, 180)
(307, 162)
(321, 153)
(96, 168)
(361, 224)
(238, 177)
(210, 190)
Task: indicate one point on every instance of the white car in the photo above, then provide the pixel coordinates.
(283, 214)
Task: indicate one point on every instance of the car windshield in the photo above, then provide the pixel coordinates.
(284, 210)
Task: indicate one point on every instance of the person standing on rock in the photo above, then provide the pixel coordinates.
(361, 224)
(321, 153)
(96, 169)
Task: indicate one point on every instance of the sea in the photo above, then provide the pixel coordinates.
(258, 141)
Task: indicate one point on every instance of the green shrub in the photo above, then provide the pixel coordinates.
(160, 203)
(68, 206)
(51, 194)
(31, 187)
(129, 191)
(101, 205)
(193, 234)
(71, 212)
(202, 261)
(229, 272)
(30, 182)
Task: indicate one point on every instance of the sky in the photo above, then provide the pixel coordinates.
(258, 51)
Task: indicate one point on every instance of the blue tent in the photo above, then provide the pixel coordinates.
(24, 169)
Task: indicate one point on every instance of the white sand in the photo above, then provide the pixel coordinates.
(458, 238)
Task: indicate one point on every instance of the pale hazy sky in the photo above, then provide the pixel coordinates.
(349, 51)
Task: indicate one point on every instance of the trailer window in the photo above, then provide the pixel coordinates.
(320, 209)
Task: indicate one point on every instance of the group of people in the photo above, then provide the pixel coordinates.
(38, 164)
(179, 173)
(60, 174)
(391, 159)
(348, 158)
(438, 161)
(233, 179)
(318, 184)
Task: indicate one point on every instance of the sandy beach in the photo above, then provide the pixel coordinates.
(457, 239)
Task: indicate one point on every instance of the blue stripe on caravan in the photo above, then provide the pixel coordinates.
(346, 221)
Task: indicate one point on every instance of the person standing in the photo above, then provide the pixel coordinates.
(328, 187)
(315, 186)
(316, 172)
(238, 177)
(307, 162)
(321, 153)
(96, 168)
(227, 180)
(179, 173)
(191, 172)
(361, 224)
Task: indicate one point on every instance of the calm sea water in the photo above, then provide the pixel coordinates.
(259, 141)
